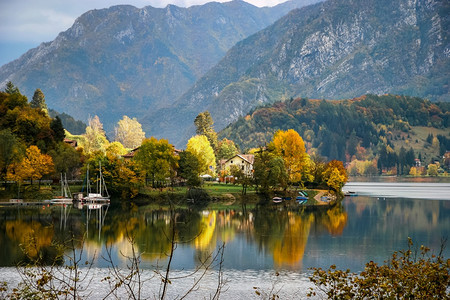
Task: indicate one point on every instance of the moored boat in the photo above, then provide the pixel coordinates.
(277, 200)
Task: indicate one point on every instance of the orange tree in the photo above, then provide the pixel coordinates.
(290, 146)
(33, 166)
(335, 175)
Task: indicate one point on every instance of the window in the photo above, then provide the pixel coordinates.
(231, 162)
(242, 168)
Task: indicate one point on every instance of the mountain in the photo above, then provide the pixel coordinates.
(129, 61)
(336, 49)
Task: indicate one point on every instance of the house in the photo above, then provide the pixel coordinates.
(243, 161)
(72, 143)
(133, 152)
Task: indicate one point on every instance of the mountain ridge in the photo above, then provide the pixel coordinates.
(335, 49)
(125, 60)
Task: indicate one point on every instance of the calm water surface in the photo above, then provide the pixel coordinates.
(258, 242)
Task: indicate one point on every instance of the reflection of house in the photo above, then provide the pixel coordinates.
(243, 161)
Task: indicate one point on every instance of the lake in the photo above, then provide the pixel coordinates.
(258, 242)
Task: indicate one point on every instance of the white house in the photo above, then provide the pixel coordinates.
(243, 161)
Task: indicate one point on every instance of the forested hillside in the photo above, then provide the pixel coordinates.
(360, 128)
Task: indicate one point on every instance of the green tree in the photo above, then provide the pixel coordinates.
(157, 160)
(129, 132)
(269, 171)
(226, 149)
(190, 169)
(66, 159)
(11, 151)
(201, 148)
(58, 129)
(204, 126)
(38, 101)
(11, 88)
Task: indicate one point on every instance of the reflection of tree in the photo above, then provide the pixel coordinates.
(208, 225)
(335, 220)
(289, 250)
(32, 236)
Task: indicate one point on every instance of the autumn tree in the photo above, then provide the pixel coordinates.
(116, 149)
(335, 175)
(290, 146)
(156, 159)
(408, 274)
(38, 101)
(201, 148)
(121, 176)
(33, 166)
(204, 126)
(95, 138)
(432, 170)
(129, 132)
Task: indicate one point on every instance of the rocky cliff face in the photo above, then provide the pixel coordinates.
(336, 49)
(125, 60)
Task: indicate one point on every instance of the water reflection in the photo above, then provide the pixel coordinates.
(350, 234)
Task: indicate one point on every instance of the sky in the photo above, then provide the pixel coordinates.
(27, 23)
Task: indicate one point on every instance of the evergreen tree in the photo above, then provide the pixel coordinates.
(11, 88)
(58, 129)
(204, 126)
(39, 100)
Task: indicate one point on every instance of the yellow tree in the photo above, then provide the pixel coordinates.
(335, 175)
(95, 137)
(34, 165)
(201, 148)
(129, 132)
(290, 146)
(40, 164)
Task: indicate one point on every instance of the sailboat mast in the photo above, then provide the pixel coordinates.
(62, 189)
(88, 186)
(100, 167)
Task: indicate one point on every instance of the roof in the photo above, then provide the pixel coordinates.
(250, 158)
(133, 152)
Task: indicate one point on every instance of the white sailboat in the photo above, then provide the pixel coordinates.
(66, 197)
(102, 194)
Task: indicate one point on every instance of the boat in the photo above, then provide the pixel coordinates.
(101, 195)
(66, 197)
(277, 200)
(350, 194)
(303, 193)
(301, 199)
